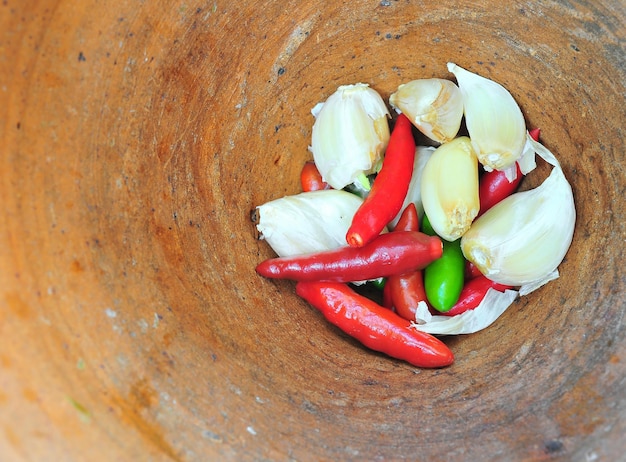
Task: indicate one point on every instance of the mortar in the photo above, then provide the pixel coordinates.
(136, 139)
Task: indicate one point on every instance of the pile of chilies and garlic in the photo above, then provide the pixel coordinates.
(451, 241)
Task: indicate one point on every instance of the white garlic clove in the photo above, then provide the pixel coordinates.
(434, 106)
(449, 188)
(493, 118)
(414, 194)
(523, 239)
(350, 134)
(307, 222)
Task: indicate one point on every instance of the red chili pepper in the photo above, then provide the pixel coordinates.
(473, 293)
(409, 220)
(535, 133)
(389, 189)
(407, 290)
(311, 178)
(375, 327)
(495, 186)
(387, 300)
(389, 253)
(471, 270)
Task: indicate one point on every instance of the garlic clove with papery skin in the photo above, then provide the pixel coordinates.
(350, 135)
(494, 120)
(307, 222)
(523, 239)
(449, 188)
(434, 106)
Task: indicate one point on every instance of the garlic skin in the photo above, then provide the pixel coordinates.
(434, 106)
(350, 134)
(449, 188)
(493, 118)
(414, 194)
(522, 240)
(486, 313)
(307, 222)
(527, 162)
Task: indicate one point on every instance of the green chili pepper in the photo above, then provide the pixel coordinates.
(444, 278)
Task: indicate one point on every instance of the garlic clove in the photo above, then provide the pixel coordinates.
(307, 222)
(414, 194)
(434, 106)
(449, 188)
(350, 134)
(522, 240)
(493, 118)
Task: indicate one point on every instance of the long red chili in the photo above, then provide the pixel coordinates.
(389, 253)
(407, 290)
(495, 186)
(375, 327)
(473, 293)
(311, 178)
(389, 189)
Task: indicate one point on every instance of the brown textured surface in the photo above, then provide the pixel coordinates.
(135, 138)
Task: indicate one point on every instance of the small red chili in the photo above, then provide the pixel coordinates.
(535, 133)
(375, 327)
(407, 290)
(495, 186)
(387, 300)
(389, 253)
(473, 293)
(409, 220)
(389, 189)
(471, 270)
(311, 178)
